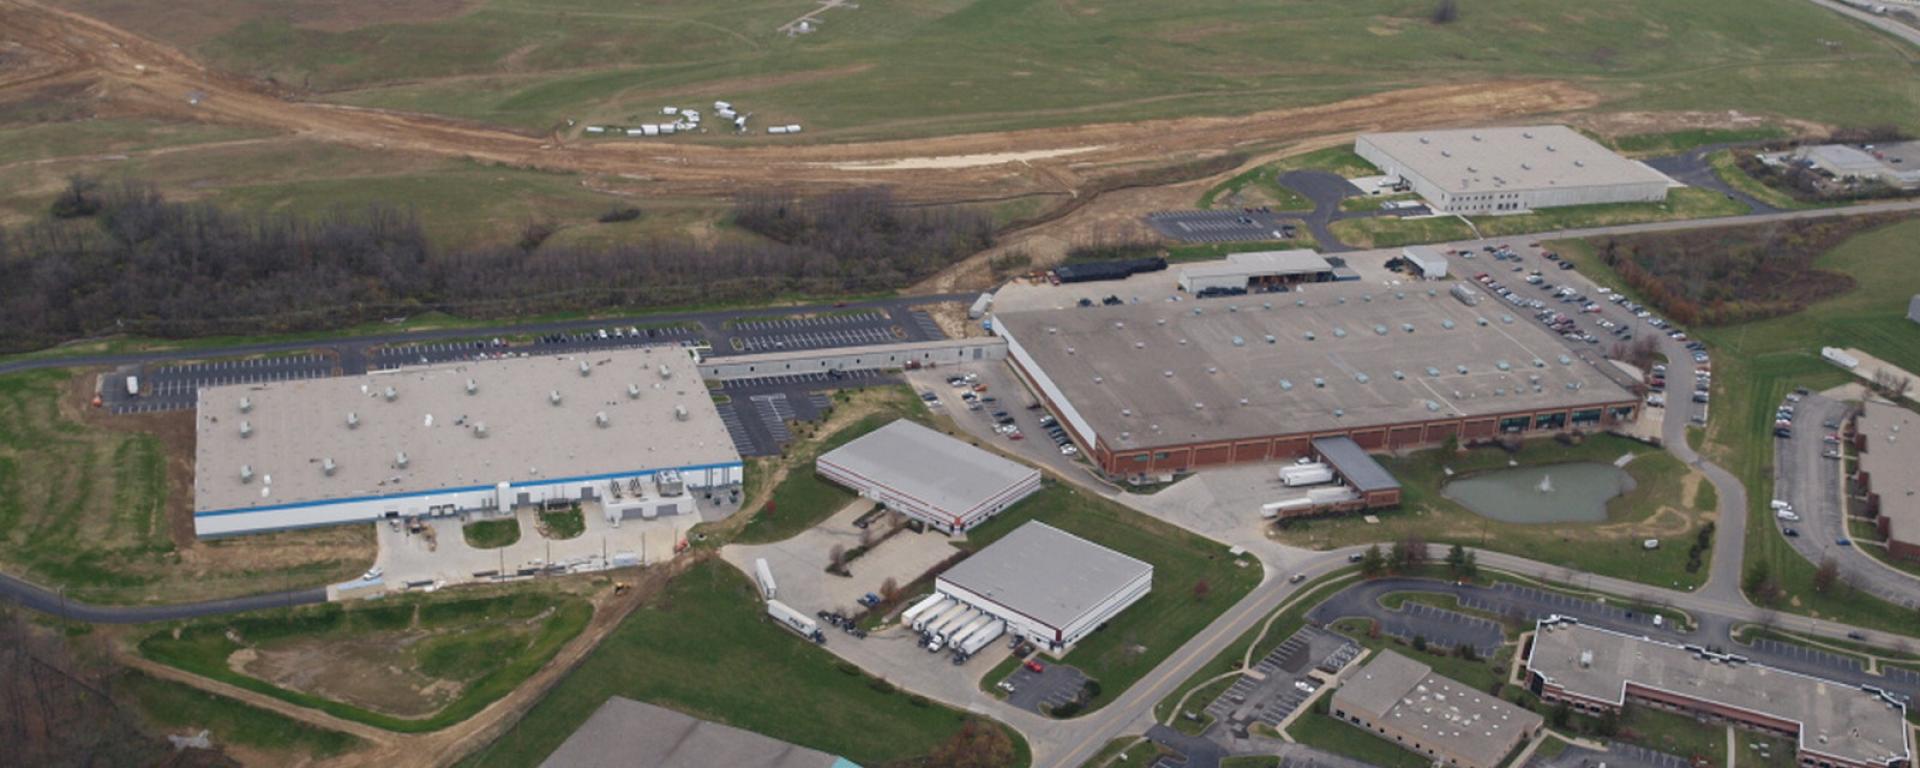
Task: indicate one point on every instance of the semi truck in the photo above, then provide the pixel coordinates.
(764, 574)
(1306, 474)
(800, 623)
(945, 629)
(959, 636)
(932, 619)
(920, 608)
(971, 644)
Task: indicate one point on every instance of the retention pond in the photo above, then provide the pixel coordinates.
(1552, 493)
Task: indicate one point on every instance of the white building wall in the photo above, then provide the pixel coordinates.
(946, 520)
(1056, 641)
(1450, 200)
(218, 523)
(942, 352)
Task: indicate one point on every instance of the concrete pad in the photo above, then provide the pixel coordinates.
(407, 557)
(799, 564)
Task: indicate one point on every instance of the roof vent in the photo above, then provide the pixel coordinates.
(1183, 342)
(479, 429)
(1550, 148)
(1476, 137)
(1506, 319)
(1117, 325)
(327, 467)
(1526, 134)
(1564, 360)
(1139, 345)
(1339, 333)
(1526, 166)
(665, 372)
(1199, 406)
(1239, 341)
(1433, 406)
(1286, 386)
(1271, 339)
(600, 418)
(680, 413)
(633, 391)
(1580, 163)
(246, 428)
(1099, 380)
(246, 404)
(1502, 365)
(353, 420)
(1168, 373)
(1481, 321)
(1408, 327)
(1319, 383)
(1243, 402)
(1339, 412)
(1471, 169)
(1461, 368)
(1299, 302)
(1445, 153)
(1211, 369)
(246, 473)
(1127, 412)
(1447, 324)
(390, 394)
(1361, 377)
(472, 386)
(554, 397)
(1398, 376)
(400, 460)
(1379, 330)
(1432, 371)
(1308, 335)
(1196, 311)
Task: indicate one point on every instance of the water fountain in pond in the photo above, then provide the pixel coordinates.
(1546, 483)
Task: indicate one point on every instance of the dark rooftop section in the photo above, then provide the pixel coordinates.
(1353, 463)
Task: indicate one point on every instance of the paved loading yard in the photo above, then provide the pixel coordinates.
(410, 558)
(800, 564)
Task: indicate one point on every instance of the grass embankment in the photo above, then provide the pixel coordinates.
(1390, 232)
(1134, 642)
(703, 646)
(803, 498)
(90, 504)
(1725, 169)
(1757, 363)
(1653, 509)
(182, 708)
(492, 534)
(1318, 729)
(1254, 188)
(1675, 142)
(1387, 231)
(486, 645)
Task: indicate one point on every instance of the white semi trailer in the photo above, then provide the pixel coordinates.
(958, 636)
(945, 629)
(972, 644)
(933, 618)
(1275, 509)
(1306, 474)
(921, 608)
(800, 623)
(764, 574)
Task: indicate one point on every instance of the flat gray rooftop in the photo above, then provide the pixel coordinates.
(1835, 718)
(1401, 693)
(1045, 573)
(1353, 463)
(938, 470)
(1890, 465)
(1511, 159)
(297, 425)
(624, 733)
(1153, 369)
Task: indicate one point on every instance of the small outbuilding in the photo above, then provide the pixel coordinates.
(1051, 587)
(1425, 261)
(928, 476)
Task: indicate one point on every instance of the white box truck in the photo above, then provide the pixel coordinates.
(133, 386)
(981, 639)
(800, 623)
(921, 608)
(764, 574)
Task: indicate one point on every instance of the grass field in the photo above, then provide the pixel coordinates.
(492, 534)
(89, 505)
(921, 67)
(1390, 232)
(1675, 142)
(703, 647)
(1131, 644)
(1683, 203)
(183, 709)
(1758, 363)
(1655, 508)
(565, 524)
(1257, 187)
(482, 646)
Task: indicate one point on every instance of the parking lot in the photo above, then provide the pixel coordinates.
(866, 317)
(1284, 680)
(1053, 685)
(1035, 446)
(1223, 226)
(1441, 628)
(817, 339)
(1809, 657)
(757, 410)
(610, 337)
(177, 387)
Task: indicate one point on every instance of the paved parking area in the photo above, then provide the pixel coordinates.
(799, 564)
(1274, 690)
(818, 339)
(1054, 685)
(1809, 656)
(1441, 628)
(628, 337)
(1222, 226)
(867, 317)
(757, 411)
(926, 325)
(176, 387)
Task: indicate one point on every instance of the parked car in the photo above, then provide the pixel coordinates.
(1035, 666)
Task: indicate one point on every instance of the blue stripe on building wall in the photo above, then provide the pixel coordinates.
(464, 489)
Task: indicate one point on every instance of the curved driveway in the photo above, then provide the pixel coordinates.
(40, 599)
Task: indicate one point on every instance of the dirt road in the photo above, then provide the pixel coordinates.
(135, 74)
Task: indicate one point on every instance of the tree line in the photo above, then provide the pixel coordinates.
(124, 259)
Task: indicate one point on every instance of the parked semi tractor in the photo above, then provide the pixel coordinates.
(800, 623)
(978, 640)
(920, 608)
(937, 634)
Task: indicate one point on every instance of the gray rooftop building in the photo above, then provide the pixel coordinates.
(624, 733)
(1896, 164)
(1402, 701)
(1050, 586)
(938, 479)
(1511, 169)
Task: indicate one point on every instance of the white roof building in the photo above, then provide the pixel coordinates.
(937, 479)
(1050, 586)
(1511, 170)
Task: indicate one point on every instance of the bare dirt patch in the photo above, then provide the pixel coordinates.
(1617, 124)
(375, 672)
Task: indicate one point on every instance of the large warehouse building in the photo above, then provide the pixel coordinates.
(1510, 170)
(1050, 586)
(929, 476)
(440, 440)
(1447, 723)
(1889, 448)
(1834, 724)
(1152, 386)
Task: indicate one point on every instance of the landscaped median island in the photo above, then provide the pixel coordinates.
(492, 534)
(1654, 508)
(703, 646)
(404, 664)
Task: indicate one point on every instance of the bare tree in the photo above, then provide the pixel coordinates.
(1827, 575)
(1893, 386)
(1446, 12)
(837, 557)
(890, 590)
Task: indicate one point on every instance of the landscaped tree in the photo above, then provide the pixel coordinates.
(1456, 559)
(1201, 589)
(837, 558)
(889, 590)
(1373, 563)
(1827, 575)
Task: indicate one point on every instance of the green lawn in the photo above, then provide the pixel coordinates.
(1728, 171)
(1756, 364)
(704, 647)
(1682, 203)
(488, 645)
(1134, 642)
(1316, 728)
(181, 708)
(1390, 231)
(1283, 624)
(1217, 251)
(803, 498)
(564, 524)
(1611, 548)
(1252, 188)
(1675, 142)
(1365, 203)
(1674, 734)
(491, 534)
(40, 141)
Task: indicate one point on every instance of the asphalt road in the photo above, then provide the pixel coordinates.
(40, 599)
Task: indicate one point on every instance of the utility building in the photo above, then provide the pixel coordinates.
(929, 476)
(1510, 170)
(487, 435)
(1050, 586)
(1261, 271)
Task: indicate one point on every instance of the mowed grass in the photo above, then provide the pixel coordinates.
(804, 499)
(491, 534)
(1611, 548)
(86, 509)
(1390, 232)
(41, 141)
(1674, 142)
(181, 708)
(1756, 364)
(1682, 203)
(1134, 642)
(705, 647)
(489, 644)
(924, 67)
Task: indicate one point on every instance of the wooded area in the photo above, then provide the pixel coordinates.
(126, 260)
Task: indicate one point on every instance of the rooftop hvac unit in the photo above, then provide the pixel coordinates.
(1339, 412)
(1506, 319)
(1433, 406)
(246, 404)
(390, 394)
(1502, 365)
(1461, 368)
(1271, 339)
(633, 391)
(1168, 373)
(479, 429)
(1239, 342)
(1432, 371)
(1379, 330)
(1199, 406)
(680, 413)
(246, 473)
(1481, 321)
(1212, 369)
(585, 369)
(1447, 324)
(1243, 401)
(1139, 345)
(554, 397)
(472, 387)
(665, 372)
(793, 128)
(1308, 335)
(600, 418)
(327, 467)
(1286, 386)
(1319, 383)
(1339, 333)
(353, 420)
(1398, 376)
(400, 460)
(1586, 658)
(246, 428)
(1360, 377)
(1539, 363)
(1408, 327)
(1564, 360)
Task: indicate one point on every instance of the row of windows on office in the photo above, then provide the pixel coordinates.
(1502, 201)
